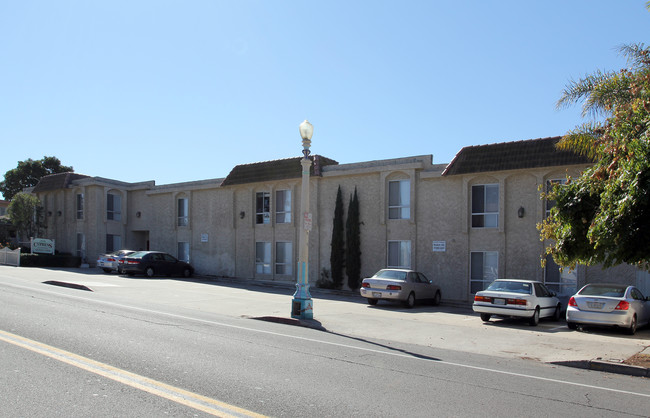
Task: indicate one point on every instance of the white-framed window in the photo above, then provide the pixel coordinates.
(549, 186)
(485, 206)
(263, 257)
(262, 208)
(113, 207)
(184, 251)
(399, 199)
(561, 280)
(283, 206)
(113, 243)
(399, 254)
(484, 269)
(283, 258)
(80, 206)
(183, 205)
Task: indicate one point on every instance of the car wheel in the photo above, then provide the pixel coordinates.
(372, 301)
(556, 314)
(572, 325)
(106, 270)
(410, 301)
(187, 273)
(534, 320)
(485, 317)
(149, 272)
(632, 329)
(436, 299)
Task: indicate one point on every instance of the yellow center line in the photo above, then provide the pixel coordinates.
(172, 393)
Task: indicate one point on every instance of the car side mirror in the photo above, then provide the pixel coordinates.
(553, 294)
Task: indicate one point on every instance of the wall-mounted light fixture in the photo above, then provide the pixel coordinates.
(59, 213)
(521, 212)
(138, 214)
(242, 214)
(49, 213)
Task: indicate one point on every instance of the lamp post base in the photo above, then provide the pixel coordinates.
(302, 308)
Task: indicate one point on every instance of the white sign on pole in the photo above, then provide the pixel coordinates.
(307, 221)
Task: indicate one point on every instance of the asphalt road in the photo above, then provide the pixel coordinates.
(153, 347)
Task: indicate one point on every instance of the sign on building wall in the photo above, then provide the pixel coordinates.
(439, 246)
(204, 237)
(42, 246)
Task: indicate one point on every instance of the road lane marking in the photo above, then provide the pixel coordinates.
(370, 350)
(172, 393)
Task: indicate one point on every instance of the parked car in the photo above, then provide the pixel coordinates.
(608, 305)
(518, 299)
(402, 285)
(112, 261)
(151, 263)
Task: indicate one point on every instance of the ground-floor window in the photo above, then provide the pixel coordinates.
(283, 258)
(113, 243)
(484, 269)
(184, 251)
(563, 281)
(399, 254)
(81, 245)
(263, 257)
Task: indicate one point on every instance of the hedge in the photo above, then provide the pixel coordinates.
(49, 260)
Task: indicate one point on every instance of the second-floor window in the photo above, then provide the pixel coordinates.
(399, 199)
(485, 206)
(113, 207)
(262, 208)
(549, 186)
(80, 206)
(183, 211)
(283, 206)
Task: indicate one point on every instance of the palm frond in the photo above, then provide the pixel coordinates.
(582, 140)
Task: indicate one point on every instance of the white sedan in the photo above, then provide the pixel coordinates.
(605, 304)
(402, 285)
(111, 261)
(517, 298)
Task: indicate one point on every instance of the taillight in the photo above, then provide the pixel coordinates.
(393, 287)
(133, 262)
(110, 259)
(572, 301)
(521, 302)
(478, 298)
(365, 284)
(622, 306)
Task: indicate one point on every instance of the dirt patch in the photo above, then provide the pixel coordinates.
(641, 360)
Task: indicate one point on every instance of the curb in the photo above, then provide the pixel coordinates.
(606, 366)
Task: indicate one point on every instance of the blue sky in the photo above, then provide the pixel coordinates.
(175, 91)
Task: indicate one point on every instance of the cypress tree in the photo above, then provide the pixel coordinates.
(353, 249)
(337, 256)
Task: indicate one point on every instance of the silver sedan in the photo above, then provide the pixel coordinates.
(608, 305)
(402, 285)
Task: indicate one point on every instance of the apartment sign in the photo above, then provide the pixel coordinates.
(42, 246)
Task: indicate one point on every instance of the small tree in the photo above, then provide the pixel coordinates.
(337, 256)
(26, 214)
(353, 249)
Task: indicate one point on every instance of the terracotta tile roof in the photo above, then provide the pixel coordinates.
(56, 181)
(288, 168)
(515, 155)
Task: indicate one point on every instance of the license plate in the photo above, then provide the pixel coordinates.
(376, 294)
(499, 301)
(595, 305)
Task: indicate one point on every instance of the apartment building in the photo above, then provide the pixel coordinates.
(463, 224)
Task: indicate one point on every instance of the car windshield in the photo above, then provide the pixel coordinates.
(391, 274)
(603, 290)
(137, 254)
(514, 287)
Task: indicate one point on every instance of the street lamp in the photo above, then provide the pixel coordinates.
(302, 305)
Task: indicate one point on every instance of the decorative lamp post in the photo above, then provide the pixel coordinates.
(302, 305)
